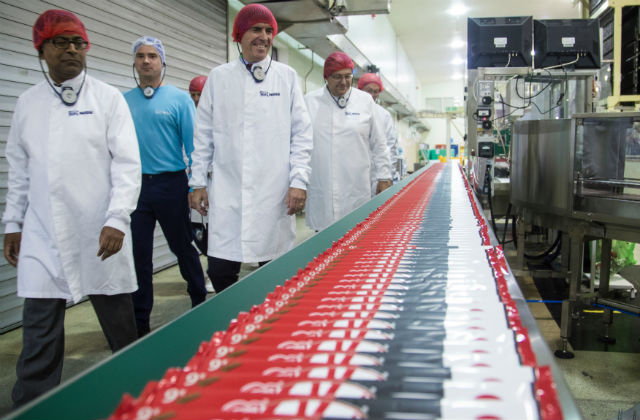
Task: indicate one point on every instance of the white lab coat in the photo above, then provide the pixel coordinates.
(72, 171)
(258, 137)
(391, 136)
(346, 143)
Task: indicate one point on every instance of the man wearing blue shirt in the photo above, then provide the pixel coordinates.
(163, 116)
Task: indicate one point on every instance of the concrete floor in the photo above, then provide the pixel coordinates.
(602, 383)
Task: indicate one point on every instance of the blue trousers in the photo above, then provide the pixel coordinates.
(163, 198)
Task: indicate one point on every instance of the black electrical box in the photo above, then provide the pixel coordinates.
(485, 149)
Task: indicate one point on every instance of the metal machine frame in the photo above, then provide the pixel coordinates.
(548, 190)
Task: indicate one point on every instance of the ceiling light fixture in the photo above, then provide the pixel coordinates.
(457, 9)
(457, 43)
(457, 61)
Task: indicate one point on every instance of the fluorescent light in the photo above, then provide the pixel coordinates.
(456, 76)
(457, 61)
(457, 9)
(457, 43)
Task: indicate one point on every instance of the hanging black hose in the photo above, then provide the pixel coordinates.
(506, 225)
(487, 182)
(493, 219)
(548, 253)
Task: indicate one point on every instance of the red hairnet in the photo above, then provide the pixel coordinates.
(56, 22)
(369, 78)
(248, 16)
(197, 83)
(336, 61)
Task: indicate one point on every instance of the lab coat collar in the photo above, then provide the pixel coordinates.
(347, 96)
(74, 83)
(264, 63)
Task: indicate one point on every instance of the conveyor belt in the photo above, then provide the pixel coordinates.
(407, 316)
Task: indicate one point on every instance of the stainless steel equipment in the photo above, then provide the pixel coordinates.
(581, 177)
(496, 98)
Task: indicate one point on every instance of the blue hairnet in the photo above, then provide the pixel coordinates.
(148, 40)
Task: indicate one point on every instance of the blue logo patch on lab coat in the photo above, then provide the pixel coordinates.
(265, 93)
(75, 113)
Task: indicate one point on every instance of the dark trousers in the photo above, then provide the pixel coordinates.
(163, 198)
(39, 366)
(224, 273)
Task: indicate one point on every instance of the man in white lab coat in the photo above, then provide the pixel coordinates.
(348, 145)
(372, 84)
(252, 126)
(74, 178)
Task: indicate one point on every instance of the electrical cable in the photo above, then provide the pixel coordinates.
(548, 252)
(309, 72)
(509, 60)
(615, 309)
(563, 64)
(506, 224)
(545, 253)
(488, 178)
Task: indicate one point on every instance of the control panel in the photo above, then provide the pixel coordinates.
(484, 113)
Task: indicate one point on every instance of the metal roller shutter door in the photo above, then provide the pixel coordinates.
(194, 33)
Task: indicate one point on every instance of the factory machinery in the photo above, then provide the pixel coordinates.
(580, 176)
(542, 160)
(413, 313)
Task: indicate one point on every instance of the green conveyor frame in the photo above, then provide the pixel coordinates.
(96, 393)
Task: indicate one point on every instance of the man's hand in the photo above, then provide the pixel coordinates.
(383, 185)
(199, 201)
(110, 242)
(12, 247)
(295, 200)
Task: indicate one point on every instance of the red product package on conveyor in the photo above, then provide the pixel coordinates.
(377, 326)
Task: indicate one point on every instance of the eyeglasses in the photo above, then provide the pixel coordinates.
(63, 43)
(338, 77)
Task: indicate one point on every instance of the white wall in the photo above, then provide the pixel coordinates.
(377, 39)
(438, 133)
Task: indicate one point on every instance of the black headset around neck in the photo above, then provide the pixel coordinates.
(256, 71)
(341, 101)
(149, 91)
(67, 95)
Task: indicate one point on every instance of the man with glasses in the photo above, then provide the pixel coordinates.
(348, 145)
(74, 178)
(163, 116)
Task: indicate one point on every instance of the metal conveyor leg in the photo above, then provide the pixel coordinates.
(565, 327)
